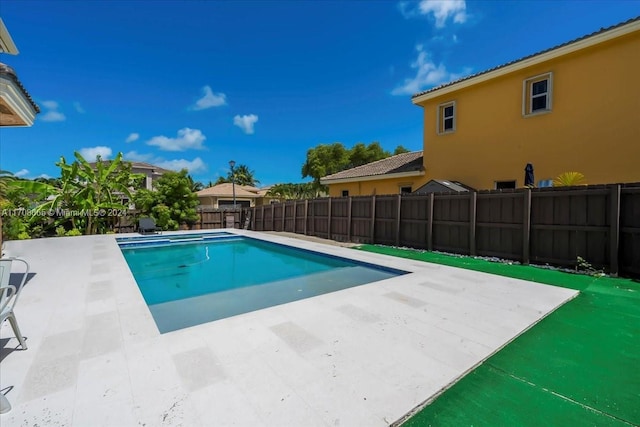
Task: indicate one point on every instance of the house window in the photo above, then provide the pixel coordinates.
(447, 117)
(405, 190)
(537, 94)
(502, 185)
(345, 193)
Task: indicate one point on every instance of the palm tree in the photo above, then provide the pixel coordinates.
(244, 176)
(567, 179)
(195, 185)
(293, 191)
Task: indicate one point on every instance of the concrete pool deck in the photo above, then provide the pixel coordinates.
(363, 356)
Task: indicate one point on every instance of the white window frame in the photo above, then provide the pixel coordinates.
(441, 118)
(528, 97)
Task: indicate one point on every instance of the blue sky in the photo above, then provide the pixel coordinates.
(197, 83)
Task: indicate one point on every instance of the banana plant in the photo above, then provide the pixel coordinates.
(91, 190)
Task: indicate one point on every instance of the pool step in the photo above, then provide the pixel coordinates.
(173, 315)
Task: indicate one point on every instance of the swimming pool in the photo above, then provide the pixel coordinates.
(194, 279)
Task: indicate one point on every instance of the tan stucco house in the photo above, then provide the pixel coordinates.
(221, 196)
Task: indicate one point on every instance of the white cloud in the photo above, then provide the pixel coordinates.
(134, 136)
(50, 105)
(246, 122)
(90, 153)
(186, 139)
(45, 176)
(428, 74)
(78, 107)
(52, 114)
(441, 10)
(209, 99)
(21, 173)
(193, 166)
(134, 156)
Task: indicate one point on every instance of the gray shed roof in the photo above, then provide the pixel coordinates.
(442, 186)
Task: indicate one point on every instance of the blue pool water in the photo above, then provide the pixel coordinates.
(191, 280)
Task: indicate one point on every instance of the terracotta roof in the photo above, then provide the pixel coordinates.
(11, 73)
(602, 30)
(405, 162)
(226, 190)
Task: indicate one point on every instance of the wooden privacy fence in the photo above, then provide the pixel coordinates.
(552, 226)
(208, 219)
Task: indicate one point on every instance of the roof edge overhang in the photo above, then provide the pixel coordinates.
(238, 196)
(16, 100)
(534, 60)
(371, 177)
(6, 42)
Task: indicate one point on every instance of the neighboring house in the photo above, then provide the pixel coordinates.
(574, 107)
(151, 172)
(16, 106)
(221, 196)
(402, 173)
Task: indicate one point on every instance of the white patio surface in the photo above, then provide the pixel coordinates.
(363, 356)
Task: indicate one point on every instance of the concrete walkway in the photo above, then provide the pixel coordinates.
(363, 356)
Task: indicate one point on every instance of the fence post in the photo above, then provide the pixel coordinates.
(284, 216)
(373, 219)
(295, 203)
(262, 219)
(273, 217)
(526, 227)
(306, 215)
(313, 216)
(473, 204)
(430, 223)
(399, 200)
(349, 220)
(329, 221)
(614, 230)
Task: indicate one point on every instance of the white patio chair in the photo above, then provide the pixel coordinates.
(9, 295)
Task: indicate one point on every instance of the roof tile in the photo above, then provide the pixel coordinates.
(405, 162)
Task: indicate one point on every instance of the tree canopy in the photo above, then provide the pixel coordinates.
(327, 159)
(293, 191)
(172, 203)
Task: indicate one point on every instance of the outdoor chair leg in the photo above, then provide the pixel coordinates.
(16, 330)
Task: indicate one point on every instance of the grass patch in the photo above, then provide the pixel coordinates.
(578, 366)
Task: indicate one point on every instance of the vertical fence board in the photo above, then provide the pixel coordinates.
(614, 231)
(526, 227)
(398, 202)
(473, 199)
